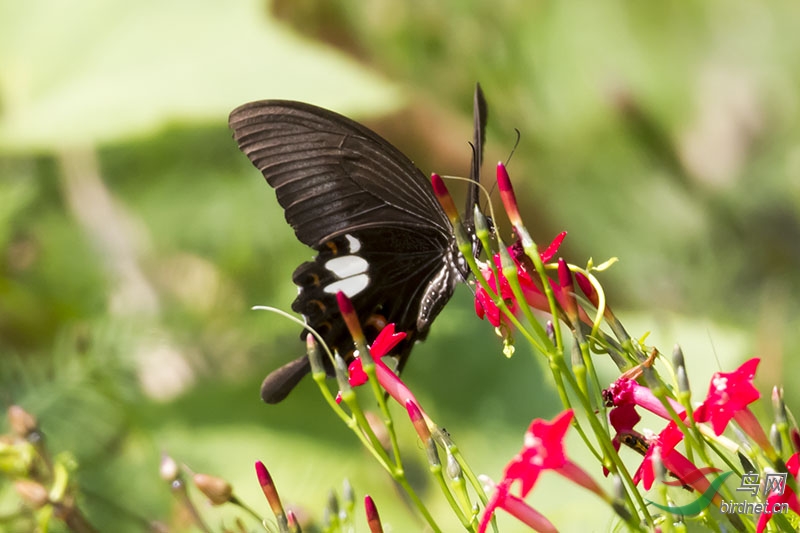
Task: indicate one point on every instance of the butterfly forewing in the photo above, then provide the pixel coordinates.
(332, 175)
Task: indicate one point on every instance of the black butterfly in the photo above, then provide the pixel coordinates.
(381, 236)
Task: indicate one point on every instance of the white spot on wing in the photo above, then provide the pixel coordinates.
(355, 244)
(350, 286)
(347, 266)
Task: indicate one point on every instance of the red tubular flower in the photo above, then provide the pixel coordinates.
(391, 383)
(675, 462)
(728, 394)
(543, 450)
(485, 306)
(567, 298)
(728, 397)
(502, 499)
(627, 391)
(623, 418)
(788, 497)
(665, 443)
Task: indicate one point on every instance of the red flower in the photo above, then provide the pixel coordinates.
(789, 497)
(485, 307)
(665, 443)
(623, 419)
(626, 391)
(543, 450)
(728, 397)
(729, 393)
(391, 383)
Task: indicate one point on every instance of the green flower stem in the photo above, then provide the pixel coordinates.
(401, 480)
(360, 426)
(690, 433)
(368, 365)
(249, 510)
(358, 423)
(452, 449)
(590, 368)
(556, 360)
(466, 250)
(435, 468)
(180, 490)
(618, 467)
(706, 519)
(724, 457)
(600, 316)
(532, 251)
(509, 269)
(665, 525)
(559, 370)
(320, 378)
(459, 487)
(659, 390)
(579, 369)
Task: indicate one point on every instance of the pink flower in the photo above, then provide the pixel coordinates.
(543, 450)
(485, 307)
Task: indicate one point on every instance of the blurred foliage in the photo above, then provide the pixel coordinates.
(135, 237)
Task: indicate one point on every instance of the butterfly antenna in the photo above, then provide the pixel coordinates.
(516, 144)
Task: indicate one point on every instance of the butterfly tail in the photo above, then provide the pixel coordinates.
(279, 383)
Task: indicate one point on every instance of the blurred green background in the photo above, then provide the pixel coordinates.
(134, 236)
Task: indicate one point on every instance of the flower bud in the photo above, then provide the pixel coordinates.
(415, 414)
(373, 519)
(794, 434)
(314, 355)
(778, 405)
(333, 503)
(587, 288)
(22, 422)
(432, 453)
(168, 469)
(482, 230)
(32, 492)
(216, 489)
(350, 317)
(444, 198)
(348, 493)
(453, 468)
(775, 438)
(507, 195)
(551, 332)
(341, 374)
(269, 489)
